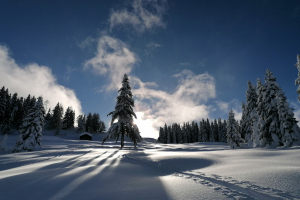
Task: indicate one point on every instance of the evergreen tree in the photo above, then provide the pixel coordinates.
(57, 117)
(170, 137)
(233, 136)
(220, 129)
(6, 113)
(251, 104)
(19, 114)
(65, 123)
(184, 133)
(287, 120)
(166, 134)
(179, 137)
(26, 105)
(81, 124)
(31, 128)
(297, 81)
(161, 135)
(215, 131)
(195, 131)
(88, 123)
(124, 113)
(268, 112)
(3, 100)
(243, 122)
(14, 109)
(102, 127)
(174, 133)
(200, 133)
(255, 129)
(96, 123)
(224, 137)
(68, 120)
(48, 115)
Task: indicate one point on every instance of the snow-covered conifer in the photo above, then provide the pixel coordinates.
(297, 81)
(255, 136)
(224, 136)
(268, 112)
(233, 136)
(124, 113)
(251, 104)
(31, 128)
(286, 120)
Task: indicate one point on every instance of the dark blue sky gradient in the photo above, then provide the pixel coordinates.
(234, 41)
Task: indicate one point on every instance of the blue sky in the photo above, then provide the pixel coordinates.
(186, 59)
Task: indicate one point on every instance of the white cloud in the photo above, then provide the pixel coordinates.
(234, 104)
(185, 104)
(155, 107)
(113, 58)
(35, 80)
(141, 15)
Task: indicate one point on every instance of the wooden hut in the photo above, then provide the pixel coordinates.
(85, 136)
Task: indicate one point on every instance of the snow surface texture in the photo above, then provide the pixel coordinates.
(69, 168)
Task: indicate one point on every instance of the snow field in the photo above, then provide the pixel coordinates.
(67, 168)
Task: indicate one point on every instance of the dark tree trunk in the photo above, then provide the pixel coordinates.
(122, 137)
(122, 140)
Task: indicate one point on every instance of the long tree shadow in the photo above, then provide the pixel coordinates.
(93, 177)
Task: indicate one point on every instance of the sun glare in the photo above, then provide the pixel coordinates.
(145, 126)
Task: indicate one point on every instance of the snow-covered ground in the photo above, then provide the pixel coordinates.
(67, 168)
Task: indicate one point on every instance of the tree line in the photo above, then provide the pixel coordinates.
(267, 120)
(28, 117)
(214, 131)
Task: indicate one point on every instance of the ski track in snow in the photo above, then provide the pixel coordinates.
(229, 187)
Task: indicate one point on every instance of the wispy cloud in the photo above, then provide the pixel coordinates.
(140, 14)
(234, 104)
(113, 58)
(87, 42)
(184, 64)
(69, 71)
(35, 80)
(151, 47)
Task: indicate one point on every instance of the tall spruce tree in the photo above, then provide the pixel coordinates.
(251, 104)
(287, 121)
(124, 113)
(69, 118)
(270, 126)
(31, 128)
(233, 136)
(88, 123)
(57, 118)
